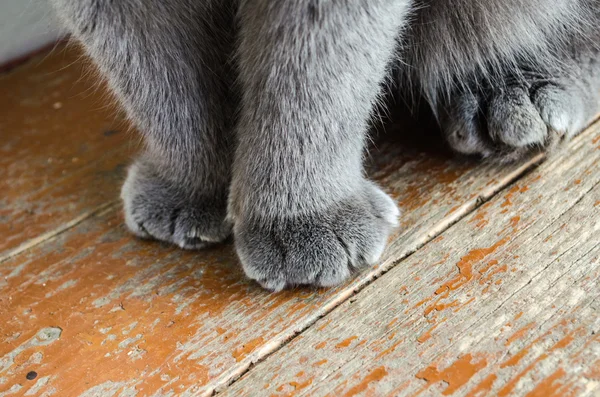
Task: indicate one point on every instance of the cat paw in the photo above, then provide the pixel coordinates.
(156, 208)
(321, 249)
(511, 122)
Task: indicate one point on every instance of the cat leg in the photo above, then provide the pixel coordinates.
(167, 62)
(303, 211)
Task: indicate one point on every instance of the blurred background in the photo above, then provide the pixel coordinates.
(25, 26)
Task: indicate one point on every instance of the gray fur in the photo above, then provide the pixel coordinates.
(277, 121)
(298, 172)
(507, 120)
(168, 63)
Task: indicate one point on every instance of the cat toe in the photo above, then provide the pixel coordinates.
(157, 209)
(322, 249)
(560, 108)
(513, 121)
(508, 123)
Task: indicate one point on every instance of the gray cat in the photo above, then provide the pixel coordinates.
(255, 112)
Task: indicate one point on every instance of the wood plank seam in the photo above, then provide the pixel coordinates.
(448, 190)
(228, 378)
(472, 204)
(465, 210)
(491, 314)
(66, 226)
(553, 223)
(469, 207)
(51, 234)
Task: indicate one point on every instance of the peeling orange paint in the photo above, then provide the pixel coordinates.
(421, 302)
(465, 265)
(453, 209)
(130, 306)
(508, 388)
(247, 348)
(427, 335)
(468, 302)
(480, 219)
(495, 271)
(320, 345)
(326, 323)
(443, 260)
(465, 274)
(438, 307)
(518, 316)
(515, 358)
(220, 330)
(374, 376)
(301, 385)
(389, 349)
(455, 376)
(58, 162)
(520, 333)
(484, 387)
(565, 341)
(490, 264)
(345, 343)
(508, 197)
(549, 387)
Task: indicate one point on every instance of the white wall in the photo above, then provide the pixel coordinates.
(25, 25)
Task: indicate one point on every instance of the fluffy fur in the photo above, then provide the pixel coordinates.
(266, 104)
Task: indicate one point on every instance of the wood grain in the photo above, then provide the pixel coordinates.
(130, 316)
(506, 302)
(95, 312)
(63, 151)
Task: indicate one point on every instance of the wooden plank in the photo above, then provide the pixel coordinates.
(506, 302)
(63, 148)
(97, 311)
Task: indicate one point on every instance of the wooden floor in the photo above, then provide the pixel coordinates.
(490, 287)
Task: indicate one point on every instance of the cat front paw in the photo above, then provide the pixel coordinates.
(511, 122)
(321, 249)
(171, 212)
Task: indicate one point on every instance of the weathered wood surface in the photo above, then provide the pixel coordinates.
(506, 302)
(63, 148)
(139, 315)
(96, 312)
